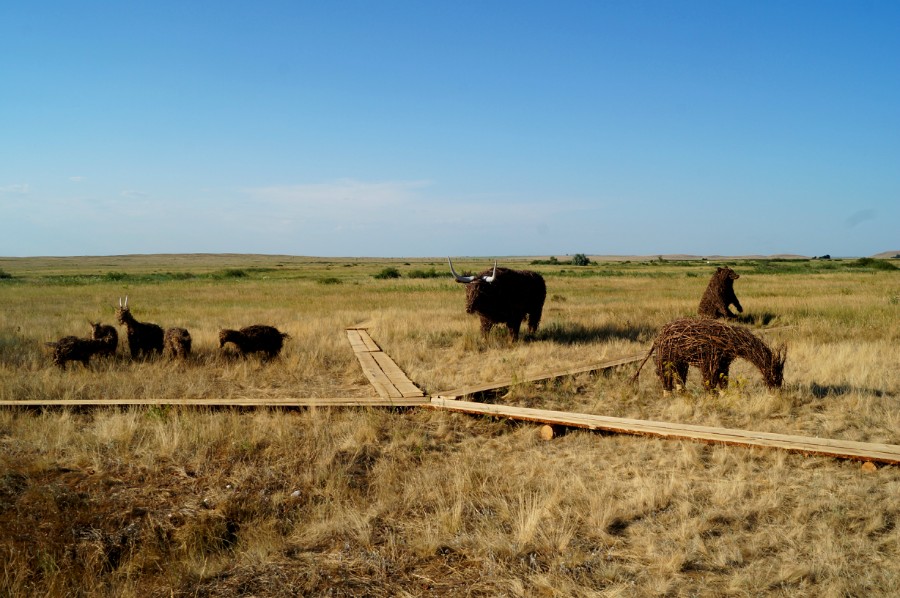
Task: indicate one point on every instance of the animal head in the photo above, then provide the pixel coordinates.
(775, 374)
(479, 289)
(122, 313)
(225, 336)
(726, 273)
(101, 331)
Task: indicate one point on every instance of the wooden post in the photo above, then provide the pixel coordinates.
(547, 432)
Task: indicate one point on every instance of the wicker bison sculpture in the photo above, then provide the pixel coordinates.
(504, 296)
(711, 345)
(73, 348)
(258, 338)
(177, 343)
(720, 295)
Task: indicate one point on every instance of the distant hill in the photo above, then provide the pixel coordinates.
(886, 255)
(673, 257)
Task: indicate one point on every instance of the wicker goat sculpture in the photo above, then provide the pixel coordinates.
(143, 337)
(711, 345)
(257, 338)
(719, 295)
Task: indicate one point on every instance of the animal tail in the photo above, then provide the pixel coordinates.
(640, 367)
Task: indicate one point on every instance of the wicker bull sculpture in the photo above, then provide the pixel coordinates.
(504, 296)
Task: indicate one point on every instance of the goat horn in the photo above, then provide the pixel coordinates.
(126, 300)
(120, 302)
(492, 276)
(462, 279)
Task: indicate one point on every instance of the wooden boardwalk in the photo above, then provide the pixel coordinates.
(389, 381)
(863, 451)
(593, 367)
(288, 402)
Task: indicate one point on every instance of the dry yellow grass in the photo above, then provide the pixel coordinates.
(187, 502)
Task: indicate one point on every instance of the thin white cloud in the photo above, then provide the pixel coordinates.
(344, 217)
(77, 179)
(342, 194)
(348, 205)
(20, 189)
(353, 217)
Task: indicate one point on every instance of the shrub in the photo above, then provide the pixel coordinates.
(548, 262)
(579, 259)
(387, 273)
(430, 273)
(329, 280)
(230, 273)
(5, 274)
(868, 262)
(179, 275)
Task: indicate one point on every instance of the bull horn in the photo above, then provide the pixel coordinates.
(462, 279)
(493, 275)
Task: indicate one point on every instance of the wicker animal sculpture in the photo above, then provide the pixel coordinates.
(107, 334)
(720, 295)
(143, 337)
(504, 296)
(257, 338)
(177, 343)
(73, 348)
(711, 345)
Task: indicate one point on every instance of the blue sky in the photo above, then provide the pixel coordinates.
(410, 128)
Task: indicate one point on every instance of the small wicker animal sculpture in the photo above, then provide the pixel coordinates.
(711, 345)
(257, 338)
(73, 348)
(107, 334)
(177, 342)
(720, 295)
(143, 337)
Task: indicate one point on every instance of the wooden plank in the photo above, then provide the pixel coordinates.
(236, 402)
(387, 377)
(603, 365)
(383, 385)
(362, 344)
(847, 449)
(356, 342)
(367, 341)
(397, 376)
(361, 341)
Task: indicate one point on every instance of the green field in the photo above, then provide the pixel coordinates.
(192, 502)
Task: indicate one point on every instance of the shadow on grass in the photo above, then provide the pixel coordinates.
(760, 319)
(576, 334)
(822, 391)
